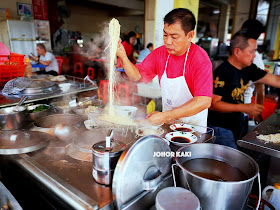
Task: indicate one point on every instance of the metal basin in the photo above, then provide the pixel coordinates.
(214, 194)
(11, 120)
(36, 115)
(52, 120)
(48, 123)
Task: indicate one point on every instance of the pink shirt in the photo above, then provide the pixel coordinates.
(198, 72)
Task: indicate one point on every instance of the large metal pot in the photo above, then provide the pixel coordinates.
(217, 194)
(12, 120)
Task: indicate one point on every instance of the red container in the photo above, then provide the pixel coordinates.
(11, 66)
(270, 105)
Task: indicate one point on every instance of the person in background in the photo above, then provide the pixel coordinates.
(128, 46)
(47, 59)
(255, 28)
(143, 53)
(231, 79)
(184, 70)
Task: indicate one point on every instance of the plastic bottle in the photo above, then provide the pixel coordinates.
(7, 14)
(28, 68)
(274, 198)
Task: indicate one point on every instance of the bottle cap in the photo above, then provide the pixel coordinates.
(26, 60)
(277, 186)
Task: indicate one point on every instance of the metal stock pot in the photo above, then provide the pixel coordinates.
(217, 194)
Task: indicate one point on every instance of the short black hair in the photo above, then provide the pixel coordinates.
(239, 40)
(254, 28)
(182, 15)
(149, 45)
(42, 46)
(130, 34)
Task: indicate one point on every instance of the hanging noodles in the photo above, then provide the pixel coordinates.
(110, 115)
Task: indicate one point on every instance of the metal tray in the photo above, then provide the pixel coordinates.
(270, 126)
(40, 87)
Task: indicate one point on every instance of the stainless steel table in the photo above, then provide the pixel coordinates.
(269, 126)
(78, 86)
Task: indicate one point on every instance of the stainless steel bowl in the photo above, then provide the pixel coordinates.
(12, 120)
(36, 115)
(62, 107)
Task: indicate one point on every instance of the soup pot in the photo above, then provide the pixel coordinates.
(214, 194)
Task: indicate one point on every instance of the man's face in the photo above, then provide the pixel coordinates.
(175, 40)
(39, 51)
(247, 55)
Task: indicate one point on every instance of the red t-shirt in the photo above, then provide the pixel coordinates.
(129, 52)
(198, 72)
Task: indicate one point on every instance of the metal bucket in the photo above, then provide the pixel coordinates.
(218, 194)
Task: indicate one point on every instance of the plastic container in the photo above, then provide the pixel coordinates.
(11, 66)
(274, 198)
(151, 90)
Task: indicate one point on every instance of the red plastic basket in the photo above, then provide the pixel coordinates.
(11, 66)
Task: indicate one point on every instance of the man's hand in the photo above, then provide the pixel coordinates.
(33, 58)
(120, 50)
(157, 118)
(253, 109)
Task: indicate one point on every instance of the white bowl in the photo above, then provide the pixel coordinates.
(149, 130)
(182, 127)
(65, 86)
(129, 111)
(90, 124)
(181, 138)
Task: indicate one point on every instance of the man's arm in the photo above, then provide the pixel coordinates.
(224, 107)
(271, 80)
(130, 69)
(190, 108)
(46, 63)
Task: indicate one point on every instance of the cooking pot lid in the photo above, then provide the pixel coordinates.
(40, 84)
(88, 138)
(116, 147)
(19, 142)
(139, 170)
(177, 198)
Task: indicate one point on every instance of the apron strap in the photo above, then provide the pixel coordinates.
(185, 62)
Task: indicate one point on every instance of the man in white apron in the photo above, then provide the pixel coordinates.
(184, 70)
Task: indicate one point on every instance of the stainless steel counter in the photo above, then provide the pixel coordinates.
(269, 126)
(78, 86)
(67, 178)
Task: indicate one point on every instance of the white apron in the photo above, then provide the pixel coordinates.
(175, 93)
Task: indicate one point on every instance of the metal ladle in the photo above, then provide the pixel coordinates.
(22, 100)
(64, 132)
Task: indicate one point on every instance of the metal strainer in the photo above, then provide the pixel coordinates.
(16, 85)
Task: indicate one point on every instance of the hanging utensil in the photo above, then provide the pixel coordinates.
(17, 107)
